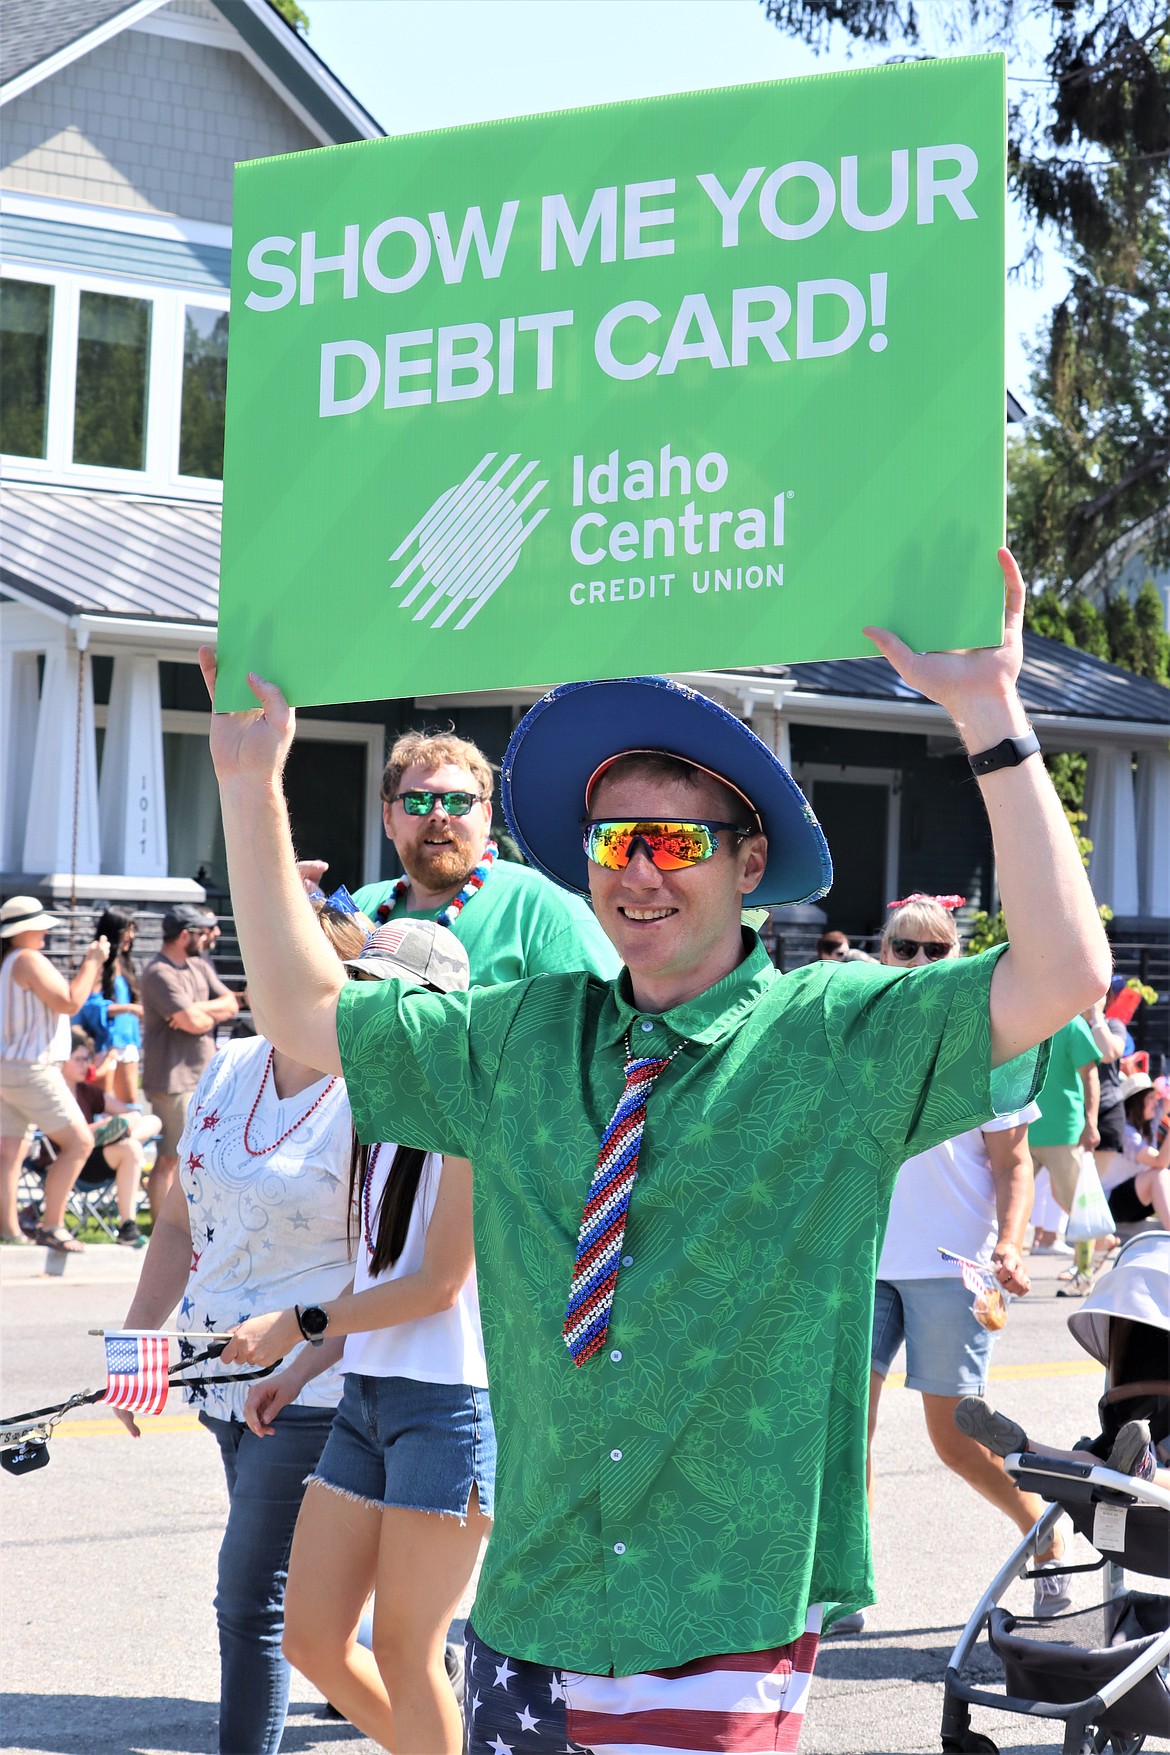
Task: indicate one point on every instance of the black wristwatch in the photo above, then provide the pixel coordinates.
(312, 1322)
(1008, 753)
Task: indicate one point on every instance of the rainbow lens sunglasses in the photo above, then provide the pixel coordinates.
(906, 949)
(610, 842)
(421, 804)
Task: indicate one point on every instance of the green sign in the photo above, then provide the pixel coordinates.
(674, 385)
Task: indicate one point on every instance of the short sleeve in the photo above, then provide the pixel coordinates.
(215, 987)
(1083, 1049)
(160, 991)
(912, 1052)
(421, 1067)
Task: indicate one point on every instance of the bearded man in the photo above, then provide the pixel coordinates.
(437, 808)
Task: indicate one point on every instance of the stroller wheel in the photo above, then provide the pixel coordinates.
(970, 1743)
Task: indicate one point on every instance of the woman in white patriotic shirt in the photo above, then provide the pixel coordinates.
(257, 1215)
(402, 1496)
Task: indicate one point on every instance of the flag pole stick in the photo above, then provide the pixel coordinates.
(174, 1334)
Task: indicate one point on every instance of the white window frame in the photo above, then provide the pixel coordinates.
(192, 724)
(806, 775)
(164, 385)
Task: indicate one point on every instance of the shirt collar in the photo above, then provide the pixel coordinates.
(708, 1017)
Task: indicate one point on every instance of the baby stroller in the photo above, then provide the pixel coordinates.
(1101, 1671)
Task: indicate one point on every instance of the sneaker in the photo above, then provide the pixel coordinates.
(994, 1431)
(1057, 1248)
(1052, 1595)
(854, 1623)
(1133, 1452)
(130, 1236)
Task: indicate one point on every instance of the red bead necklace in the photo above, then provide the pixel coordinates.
(367, 1187)
(263, 1151)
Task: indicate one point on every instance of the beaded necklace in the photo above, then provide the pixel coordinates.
(448, 915)
(367, 1185)
(263, 1151)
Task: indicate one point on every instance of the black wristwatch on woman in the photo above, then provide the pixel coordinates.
(312, 1322)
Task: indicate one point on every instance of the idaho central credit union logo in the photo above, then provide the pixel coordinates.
(465, 546)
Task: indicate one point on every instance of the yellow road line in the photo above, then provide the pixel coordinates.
(1013, 1373)
(896, 1380)
(147, 1423)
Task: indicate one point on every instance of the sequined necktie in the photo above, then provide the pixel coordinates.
(603, 1225)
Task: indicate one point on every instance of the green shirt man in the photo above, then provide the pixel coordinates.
(696, 1482)
(699, 1481)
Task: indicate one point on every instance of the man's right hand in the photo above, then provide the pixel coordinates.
(250, 745)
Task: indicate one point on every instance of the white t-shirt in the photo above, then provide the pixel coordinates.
(945, 1198)
(446, 1347)
(267, 1232)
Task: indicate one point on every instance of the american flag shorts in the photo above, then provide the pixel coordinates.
(733, 1704)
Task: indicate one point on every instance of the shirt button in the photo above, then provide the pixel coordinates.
(627, 1261)
(615, 1456)
(619, 1547)
(616, 1356)
(647, 1025)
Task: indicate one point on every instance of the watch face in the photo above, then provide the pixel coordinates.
(314, 1320)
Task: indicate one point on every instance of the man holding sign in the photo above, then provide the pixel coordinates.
(680, 1389)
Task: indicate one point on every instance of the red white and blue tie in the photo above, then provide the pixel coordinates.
(603, 1226)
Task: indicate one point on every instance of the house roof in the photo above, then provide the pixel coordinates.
(1055, 680)
(35, 32)
(113, 555)
(40, 36)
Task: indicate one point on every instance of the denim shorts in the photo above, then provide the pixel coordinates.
(947, 1351)
(418, 1446)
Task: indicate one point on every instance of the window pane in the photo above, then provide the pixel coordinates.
(113, 351)
(204, 391)
(26, 315)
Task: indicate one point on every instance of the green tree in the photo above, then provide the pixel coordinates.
(1089, 164)
(292, 14)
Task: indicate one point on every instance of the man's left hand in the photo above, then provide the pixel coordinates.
(1090, 1137)
(1010, 1270)
(956, 680)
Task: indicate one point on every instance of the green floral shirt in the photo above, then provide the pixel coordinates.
(693, 1487)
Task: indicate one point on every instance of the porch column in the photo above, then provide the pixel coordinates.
(1112, 828)
(18, 723)
(1153, 832)
(132, 800)
(48, 838)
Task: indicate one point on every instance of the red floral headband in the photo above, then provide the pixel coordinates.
(950, 903)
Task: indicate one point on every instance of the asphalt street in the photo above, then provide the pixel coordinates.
(108, 1554)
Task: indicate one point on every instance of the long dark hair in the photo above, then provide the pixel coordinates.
(112, 925)
(392, 1220)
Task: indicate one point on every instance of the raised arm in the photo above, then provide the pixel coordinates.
(33, 971)
(1058, 962)
(293, 976)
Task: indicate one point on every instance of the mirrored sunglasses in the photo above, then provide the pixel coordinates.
(906, 949)
(669, 846)
(421, 804)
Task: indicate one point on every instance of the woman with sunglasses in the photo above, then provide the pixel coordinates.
(971, 1195)
(401, 1500)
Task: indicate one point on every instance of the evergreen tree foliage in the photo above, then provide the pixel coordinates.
(1089, 164)
(292, 14)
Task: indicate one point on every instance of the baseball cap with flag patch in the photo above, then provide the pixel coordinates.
(414, 950)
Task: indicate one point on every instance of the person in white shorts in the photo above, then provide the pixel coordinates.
(36, 1003)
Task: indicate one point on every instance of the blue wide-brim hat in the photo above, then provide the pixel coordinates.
(562, 741)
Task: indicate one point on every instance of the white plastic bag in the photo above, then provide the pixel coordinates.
(1090, 1216)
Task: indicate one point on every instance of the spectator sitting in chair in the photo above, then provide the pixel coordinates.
(119, 1133)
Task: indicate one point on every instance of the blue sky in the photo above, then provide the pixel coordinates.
(419, 64)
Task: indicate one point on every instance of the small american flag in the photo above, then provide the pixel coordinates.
(137, 1363)
(975, 1278)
